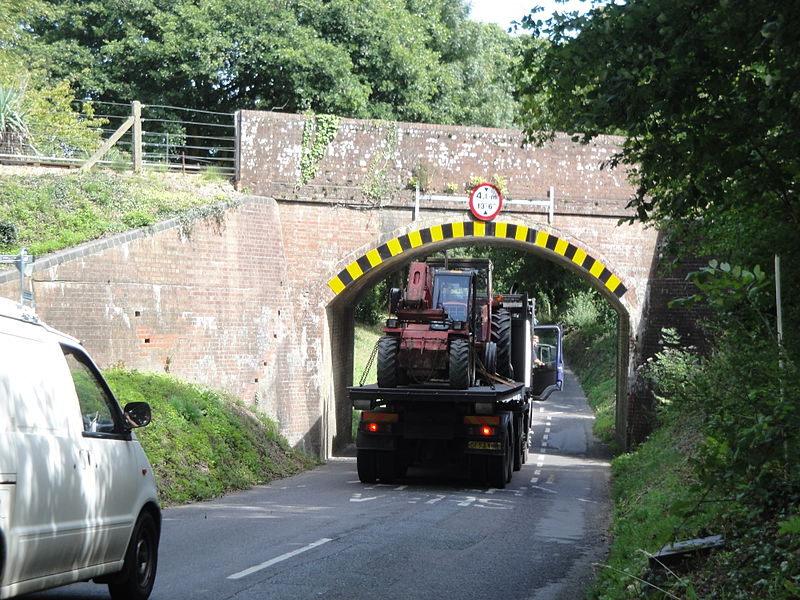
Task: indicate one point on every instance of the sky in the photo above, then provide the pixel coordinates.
(503, 12)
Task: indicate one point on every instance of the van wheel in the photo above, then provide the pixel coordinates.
(141, 558)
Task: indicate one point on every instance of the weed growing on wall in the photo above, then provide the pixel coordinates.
(377, 185)
(318, 133)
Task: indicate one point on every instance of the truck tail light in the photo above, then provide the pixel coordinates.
(487, 431)
(378, 422)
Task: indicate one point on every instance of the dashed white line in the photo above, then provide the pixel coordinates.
(279, 559)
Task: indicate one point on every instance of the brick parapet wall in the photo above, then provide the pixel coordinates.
(271, 148)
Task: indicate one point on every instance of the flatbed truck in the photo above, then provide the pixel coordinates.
(486, 426)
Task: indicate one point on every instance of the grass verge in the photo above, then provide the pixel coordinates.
(593, 360)
(52, 211)
(203, 443)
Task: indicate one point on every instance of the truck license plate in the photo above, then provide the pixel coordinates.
(479, 445)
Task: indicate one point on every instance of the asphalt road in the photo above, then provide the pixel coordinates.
(324, 534)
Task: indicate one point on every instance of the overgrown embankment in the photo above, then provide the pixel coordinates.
(721, 461)
(203, 443)
(53, 210)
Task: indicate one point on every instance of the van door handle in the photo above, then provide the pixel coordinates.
(86, 459)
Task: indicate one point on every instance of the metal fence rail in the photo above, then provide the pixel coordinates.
(129, 136)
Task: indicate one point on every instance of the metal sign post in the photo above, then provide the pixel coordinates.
(24, 263)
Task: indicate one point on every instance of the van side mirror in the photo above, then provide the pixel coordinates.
(137, 414)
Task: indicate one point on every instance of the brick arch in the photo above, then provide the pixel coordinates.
(364, 272)
(539, 239)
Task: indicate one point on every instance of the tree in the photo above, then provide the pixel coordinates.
(708, 95)
(389, 59)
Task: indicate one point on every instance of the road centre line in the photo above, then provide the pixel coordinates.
(279, 559)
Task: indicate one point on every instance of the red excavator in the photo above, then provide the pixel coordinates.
(446, 327)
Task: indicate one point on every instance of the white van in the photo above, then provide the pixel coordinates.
(77, 494)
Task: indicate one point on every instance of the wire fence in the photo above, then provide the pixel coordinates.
(154, 137)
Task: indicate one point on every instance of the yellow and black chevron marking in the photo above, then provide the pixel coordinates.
(396, 246)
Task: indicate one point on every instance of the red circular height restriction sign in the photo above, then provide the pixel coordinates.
(485, 202)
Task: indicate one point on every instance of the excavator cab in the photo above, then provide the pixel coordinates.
(453, 293)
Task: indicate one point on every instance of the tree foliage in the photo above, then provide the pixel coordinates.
(410, 60)
(708, 95)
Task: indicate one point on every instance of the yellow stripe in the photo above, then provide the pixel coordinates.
(415, 239)
(597, 268)
(374, 258)
(561, 246)
(522, 233)
(437, 235)
(355, 270)
(394, 247)
(479, 229)
(501, 230)
(458, 230)
(336, 285)
(579, 257)
(541, 238)
(613, 282)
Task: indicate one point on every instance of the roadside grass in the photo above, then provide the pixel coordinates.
(52, 211)
(592, 357)
(366, 336)
(655, 504)
(203, 443)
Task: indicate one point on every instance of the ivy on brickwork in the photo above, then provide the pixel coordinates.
(318, 133)
(377, 184)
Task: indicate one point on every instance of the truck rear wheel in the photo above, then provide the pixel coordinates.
(501, 335)
(499, 467)
(461, 371)
(366, 463)
(388, 369)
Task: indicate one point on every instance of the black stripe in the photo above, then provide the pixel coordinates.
(586, 260)
(425, 235)
(405, 244)
(346, 278)
(469, 228)
(491, 229)
(531, 236)
(363, 262)
(551, 242)
(511, 232)
(384, 252)
(620, 291)
(605, 275)
(571, 250)
(447, 230)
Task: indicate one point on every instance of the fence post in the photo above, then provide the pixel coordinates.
(237, 148)
(137, 136)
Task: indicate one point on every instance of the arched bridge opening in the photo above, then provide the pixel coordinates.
(369, 268)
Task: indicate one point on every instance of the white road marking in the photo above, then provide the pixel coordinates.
(279, 559)
(357, 498)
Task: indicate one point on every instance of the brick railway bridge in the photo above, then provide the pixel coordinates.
(259, 299)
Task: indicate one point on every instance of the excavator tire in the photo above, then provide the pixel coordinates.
(388, 368)
(460, 371)
(501, 335)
